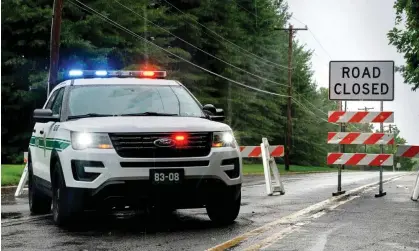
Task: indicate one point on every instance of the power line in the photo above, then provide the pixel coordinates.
(309, 111)
(314, 36)
(246, 9)
(312, 105)
(292, 16)
(169, 52)
(190, 44)
(320, 44)
(218, 35)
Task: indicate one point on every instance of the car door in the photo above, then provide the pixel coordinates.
(47, 134)
(37, 142)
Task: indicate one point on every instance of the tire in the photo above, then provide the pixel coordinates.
(225, 210)
(66, 204)
(39, 203)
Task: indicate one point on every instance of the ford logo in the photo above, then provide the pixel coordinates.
(164, 142)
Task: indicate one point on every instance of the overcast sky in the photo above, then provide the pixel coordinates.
(356, 30)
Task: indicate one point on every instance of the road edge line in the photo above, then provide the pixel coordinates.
(313, 208)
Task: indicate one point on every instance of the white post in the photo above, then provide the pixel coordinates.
(415, 193)
(265, 161)
(24, 177)
(278, 187)
(22, 181)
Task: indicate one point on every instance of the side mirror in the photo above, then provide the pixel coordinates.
(209, 108)
(215, 114)
(44, 116)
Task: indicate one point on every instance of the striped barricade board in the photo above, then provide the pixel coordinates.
(256, 152)
(407, 151)
(359, 159)
(360, 117)
(358, 138)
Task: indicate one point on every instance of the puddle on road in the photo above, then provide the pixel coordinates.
(12, 215)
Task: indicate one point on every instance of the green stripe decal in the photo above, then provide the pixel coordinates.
(50, 143)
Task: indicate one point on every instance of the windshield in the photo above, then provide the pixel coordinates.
(132, 99)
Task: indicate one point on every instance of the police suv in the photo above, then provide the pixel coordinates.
(109, 140)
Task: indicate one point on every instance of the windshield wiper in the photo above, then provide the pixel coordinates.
(149, 114)
(90, 115)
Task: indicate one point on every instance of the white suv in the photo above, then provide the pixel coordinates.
(112, 139)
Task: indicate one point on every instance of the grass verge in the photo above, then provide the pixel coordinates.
(10, 174)
(256, 169)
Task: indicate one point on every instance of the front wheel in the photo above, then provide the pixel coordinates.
(65, 203)
(225, 210)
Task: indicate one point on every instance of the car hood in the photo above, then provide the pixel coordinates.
(144, 124)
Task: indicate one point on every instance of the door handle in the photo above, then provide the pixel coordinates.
(41, 132)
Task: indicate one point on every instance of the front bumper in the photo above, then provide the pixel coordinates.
(193, 193)
(218, 165)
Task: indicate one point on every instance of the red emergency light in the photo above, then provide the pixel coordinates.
(148, 73)
(181, 139)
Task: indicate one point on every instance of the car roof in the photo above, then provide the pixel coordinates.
(117, 81)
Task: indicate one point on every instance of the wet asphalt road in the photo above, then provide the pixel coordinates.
(366, 223)
(183, 230)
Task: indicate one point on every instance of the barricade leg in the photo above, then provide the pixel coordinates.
(266, 170)
(415, 193)
(279, 186)
(22, 182)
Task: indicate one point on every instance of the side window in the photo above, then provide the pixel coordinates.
(58, 102)
(51, 100)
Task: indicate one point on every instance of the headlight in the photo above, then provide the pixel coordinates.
(84, 140)
(223, 139)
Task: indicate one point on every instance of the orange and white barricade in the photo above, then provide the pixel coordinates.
(267, 153)
(408, 151)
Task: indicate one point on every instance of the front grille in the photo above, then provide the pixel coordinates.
(141, 145)
(166, 164)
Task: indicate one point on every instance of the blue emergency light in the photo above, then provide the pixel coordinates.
(75, 73)
(101, 73)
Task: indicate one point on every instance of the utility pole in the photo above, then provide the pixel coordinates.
(55, 43)
(366, 125)
(291, 30)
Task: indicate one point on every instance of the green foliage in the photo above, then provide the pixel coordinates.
(406, 39)
(228, 30)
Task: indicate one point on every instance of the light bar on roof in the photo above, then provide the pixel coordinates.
(75, 73)
(101, 73)
(118, 74)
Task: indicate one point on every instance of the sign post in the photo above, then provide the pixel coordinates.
(341, 149)
(360, 81)
(380, 189)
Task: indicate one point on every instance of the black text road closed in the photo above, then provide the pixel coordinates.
(361, 80)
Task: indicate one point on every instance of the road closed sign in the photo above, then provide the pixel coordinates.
(361, 80)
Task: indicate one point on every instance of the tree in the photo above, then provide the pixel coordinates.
(406, 39)
(241, 33)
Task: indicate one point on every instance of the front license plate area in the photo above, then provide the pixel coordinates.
(166, 176)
